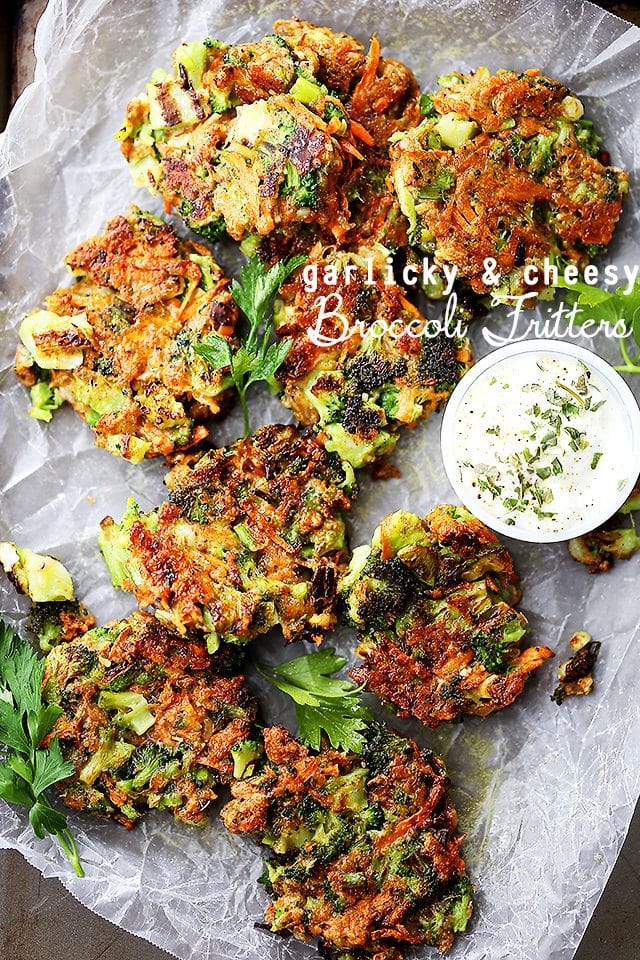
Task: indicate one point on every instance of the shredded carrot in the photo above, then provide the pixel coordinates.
(361, 133)
(369, 74)
(349, 148)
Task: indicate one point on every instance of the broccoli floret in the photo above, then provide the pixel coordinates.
(45, 399)
(148, 760)
(536, 154)
(41, 577)
(381, 746)
(599, 549)
(451, 912)
(213, 231)
(132, 709)
(492, 651)
(334, 110)
(587, 137)
(426, 107)
(59, 622)
(303, 190)
(245, 754)
(114, 542)
(110, 755)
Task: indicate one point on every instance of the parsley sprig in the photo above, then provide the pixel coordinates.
(618, 309)
(323, 703)
(28, 770)
(257, 358)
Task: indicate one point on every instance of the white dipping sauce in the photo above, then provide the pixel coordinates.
(542, 442)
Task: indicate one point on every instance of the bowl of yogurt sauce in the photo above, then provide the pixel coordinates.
(541, 440)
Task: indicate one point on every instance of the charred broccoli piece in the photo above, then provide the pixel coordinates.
(267, 139)
(150, 720)
(41, 577)
(59, 622)
(364, 853)
(599, 549)
(433, 602)
(574, 675)
(252, 536)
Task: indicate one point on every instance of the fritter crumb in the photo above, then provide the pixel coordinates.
(575, 675)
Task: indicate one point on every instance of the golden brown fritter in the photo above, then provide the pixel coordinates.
(389, 371)
(117, 344)
(149, 720)
(433, 601)
(252, 536)
(267, 139)
(244, 139)
(364, 850)
(504, 167)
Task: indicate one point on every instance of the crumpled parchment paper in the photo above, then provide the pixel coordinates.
(545, 793)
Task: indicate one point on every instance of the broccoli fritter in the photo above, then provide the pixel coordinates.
(504, 166)
(575, 675)
(433, 600)
(252, 536)
(149, 720)
(117, 344)
(364, 850)
(599, 549)
(267, 138)
(389, 368)
(243, 139)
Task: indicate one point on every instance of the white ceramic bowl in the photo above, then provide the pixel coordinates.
(619, 390)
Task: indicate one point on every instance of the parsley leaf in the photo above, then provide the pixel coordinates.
(257, 358)
(27, 769)
(618, 309)
(323, 703)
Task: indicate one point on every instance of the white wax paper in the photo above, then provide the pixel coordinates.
(545, 793)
